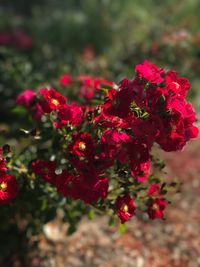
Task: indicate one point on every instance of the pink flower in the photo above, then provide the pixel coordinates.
(26, 98)
(149, 72)
(65, 80)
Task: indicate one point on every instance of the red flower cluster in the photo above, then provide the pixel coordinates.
(116, 136)
(8, 184)
(17, 38)
(91, 85)
(85, 185)
(47, 101)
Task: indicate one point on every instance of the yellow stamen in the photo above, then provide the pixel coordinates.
(55, 102)
(155, 206)
(124, 207)
(82, 146)
(3, 186)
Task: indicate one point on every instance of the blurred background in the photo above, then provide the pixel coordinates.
(40, 40)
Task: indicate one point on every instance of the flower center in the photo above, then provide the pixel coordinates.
(155, 206)
(45, 170)
(174, 127)
(82, 146)
(124, 207)
(3, 186)
(115, 103)
(55, 102)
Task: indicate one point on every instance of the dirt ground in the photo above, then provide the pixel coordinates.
(171, 243)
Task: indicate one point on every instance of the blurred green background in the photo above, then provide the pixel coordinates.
(101, 37)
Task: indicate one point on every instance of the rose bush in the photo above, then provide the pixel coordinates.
(93, 149)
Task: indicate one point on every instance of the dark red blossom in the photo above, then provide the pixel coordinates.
(6, 38)
(82, 145)
(18, 39)
(156, 208)
(36, 111)
(118, 103)
(140, 171)
(46, 169)
(125, 208)
(138, 150)
(65, 183)
(8, 188)
(68, 114)
(86, 186)
(22, 40)
(113, 143)
(91, 192)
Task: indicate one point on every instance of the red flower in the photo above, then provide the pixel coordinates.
(89, 85)
(82, 145)
(177, 127)
(176, 85)
(46, 169)
(138, 150)
(65, 80)
(154, 190)
(87, 186)
(51, 99)
(37, 112)
(92, 191)
(118, 103)
(113, 141)
(140, 171)
(156, 208)
(92, 85)
(64, 183)
(69, 114)
(149, 72)
(125, 208)
(26, 98)
(8, 188)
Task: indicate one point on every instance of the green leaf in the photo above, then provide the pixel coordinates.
(18, 110)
